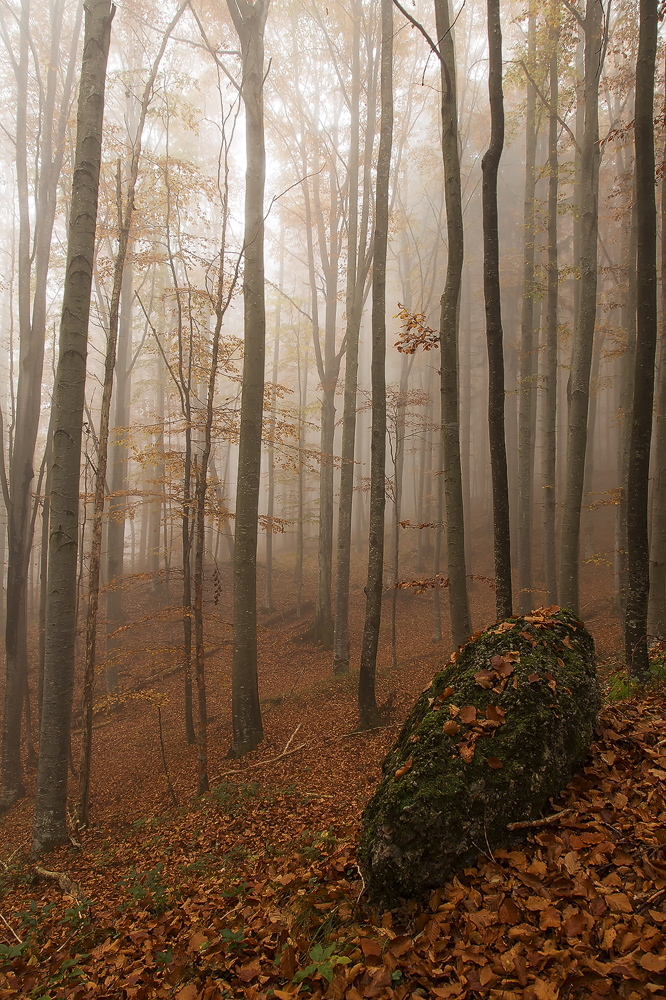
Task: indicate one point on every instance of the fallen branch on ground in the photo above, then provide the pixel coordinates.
(69, 887)
(262, 763)
(536, 823)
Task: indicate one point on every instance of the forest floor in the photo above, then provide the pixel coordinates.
(253, 891)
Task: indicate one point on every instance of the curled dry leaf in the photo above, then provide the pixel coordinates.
(484, 678)
(451, 728)
(407, 766)
(466, 752)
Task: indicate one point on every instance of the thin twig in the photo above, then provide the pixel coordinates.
(535, 824)
(262, 763)
(166, 769)
(9, 927)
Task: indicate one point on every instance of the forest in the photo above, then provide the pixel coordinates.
(333, 392)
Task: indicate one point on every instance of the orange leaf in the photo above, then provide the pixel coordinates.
(533, 678)
(288, 962)
(653, 963)
(451, 728)
(467, 751)
(407, 766)
(495, 763)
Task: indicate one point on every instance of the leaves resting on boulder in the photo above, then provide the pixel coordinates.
(500, 730)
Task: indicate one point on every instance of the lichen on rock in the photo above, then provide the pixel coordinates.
(501, 729)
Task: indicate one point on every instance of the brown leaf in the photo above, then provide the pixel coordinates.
(494, 713)
(451, 728)
(400, 945)
(484, 678)
(467, 752)
(188, 992)
(195, 942)
(288, 962)
(371, 948)
(250, 971)
(497, 661)
(495, 763)
(446, 693)
(550, 917)
(533, 678)
(509, 912)
(619, 902)
(653, 963)
(468, 714)
(575, 924)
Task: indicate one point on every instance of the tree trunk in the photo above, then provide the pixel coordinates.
(657, 600)
(550, 346)
(115, 537)
(638, 549)
(268, 590)
(367, 705)
(494, 337)
(249, 20)
(357, 272)
(461, 624)
(581, 358)
(527, 390)
(50, 818)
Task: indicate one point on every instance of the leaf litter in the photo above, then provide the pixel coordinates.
(254, 892)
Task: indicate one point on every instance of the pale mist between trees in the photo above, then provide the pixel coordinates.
(317, 310)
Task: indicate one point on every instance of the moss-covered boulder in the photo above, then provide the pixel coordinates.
(500, 730)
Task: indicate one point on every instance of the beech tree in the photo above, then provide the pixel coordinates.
(249, 21)
(50, 817)
(367, 705)
(638, 552)
(491, 287)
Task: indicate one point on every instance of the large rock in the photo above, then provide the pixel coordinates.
(500, 730)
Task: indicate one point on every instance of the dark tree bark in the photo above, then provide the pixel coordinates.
(657, 601)
(492, 295)
(50, 818)
(638, 551)
(581, 358)
(461, 622)
(527, 389)
(367, 705)
(250, 20)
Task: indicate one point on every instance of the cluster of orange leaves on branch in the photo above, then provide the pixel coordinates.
(415, 332)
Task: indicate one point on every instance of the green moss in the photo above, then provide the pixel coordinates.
(440, 810)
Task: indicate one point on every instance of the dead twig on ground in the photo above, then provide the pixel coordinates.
(272, 760)
(535, 824)
(10, 928)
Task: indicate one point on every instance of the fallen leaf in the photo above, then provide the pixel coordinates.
(468, 714)
(371, 948)
(467, 752)
(484, 678)
(494, 713)
(509, 912)
(619, 902)
(288, 964)
(653, 963)
(188, 992)
(407, 766)
(495, 763)
(533, 678)
(451, 728)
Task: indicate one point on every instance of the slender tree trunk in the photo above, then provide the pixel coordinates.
(550, 346)
(581, 359)
(367, 705)
(249, 20)
(461, 624)
(357, 271)
(492, 294)
(268, 591)
(527, 390)
(657, 600)
(50, 818)
(638, 550)
(115, 538)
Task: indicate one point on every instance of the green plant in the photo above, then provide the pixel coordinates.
(232, 799)
(77, 916)
(147, 888)
(621, 686)
(323, 961)
(318, 843)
